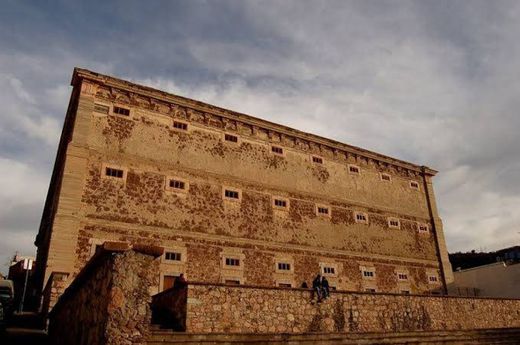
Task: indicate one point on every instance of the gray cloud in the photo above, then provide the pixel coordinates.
(435, 83)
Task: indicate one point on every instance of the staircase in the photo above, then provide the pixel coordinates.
(510, 336)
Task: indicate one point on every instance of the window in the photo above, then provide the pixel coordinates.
(322, 210)
(284, 266)
(113, 172)
(172, 256)
(231, 137)
(232, 282)
(177, 184)
(180, 125)
(402, 276)
(329, 270)
(370, 290)
(368, 274)
(232, 194)
(317, 159)
(432, 279)
(421, 227)
(361, 217)
(232, 262)
(353, 169)
(121, 111)
(394, 223)
(414, 185)
(280, 203)
(386, 177)
(101, 108)
(276, 149)
(284, 285)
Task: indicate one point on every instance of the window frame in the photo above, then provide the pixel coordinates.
(106, 166)
(381, 175)
(234, 190)
(365, 214)
(107, 105)
(183, 123)
(169, 188)
(227, 135)
(276, 198)
(120, 106)
(389, 221)
(315, 159)
(412, 186)
(353, 166)
(322, 206)
(277, 147)
(425, 225)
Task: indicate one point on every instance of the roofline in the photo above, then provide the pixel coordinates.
(81, 73)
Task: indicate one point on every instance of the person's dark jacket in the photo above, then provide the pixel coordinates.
(325, 283)
(316, 283)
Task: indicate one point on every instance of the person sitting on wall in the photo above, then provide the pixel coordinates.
(316, 287)
(180, 282)
(325, 287)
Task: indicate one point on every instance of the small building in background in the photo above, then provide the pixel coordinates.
(498, 279)
(17, 273)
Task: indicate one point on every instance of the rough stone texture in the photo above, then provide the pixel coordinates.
(84, 208)
(218, 308)
(108, 302)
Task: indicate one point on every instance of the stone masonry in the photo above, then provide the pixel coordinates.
(232, 198)
(108, 301)
(230, 309)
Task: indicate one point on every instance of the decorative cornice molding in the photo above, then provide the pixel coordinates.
(122, 91)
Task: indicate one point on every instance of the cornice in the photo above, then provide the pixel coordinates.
(272, 128)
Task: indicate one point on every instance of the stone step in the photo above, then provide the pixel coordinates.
(470, 337)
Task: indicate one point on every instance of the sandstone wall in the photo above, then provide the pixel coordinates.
(88, 208)
(213, 308)
(108, 302)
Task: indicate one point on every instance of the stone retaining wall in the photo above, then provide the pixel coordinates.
(108, 302)
(239, 309)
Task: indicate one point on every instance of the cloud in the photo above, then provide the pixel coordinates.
(435, 83)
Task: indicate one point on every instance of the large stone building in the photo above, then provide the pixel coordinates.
(233, 198)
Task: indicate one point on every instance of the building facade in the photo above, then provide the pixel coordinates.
(233, 199)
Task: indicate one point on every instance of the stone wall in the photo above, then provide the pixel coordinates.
(108, 301)
(238, 309)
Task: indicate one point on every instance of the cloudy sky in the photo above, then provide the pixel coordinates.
(432, 82)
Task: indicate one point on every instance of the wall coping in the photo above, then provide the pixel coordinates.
(332, 292)
(109, 249)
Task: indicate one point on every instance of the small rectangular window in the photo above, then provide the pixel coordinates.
(353, 169)
(323, 210)
(386, 177)
(231, 194)
(180, 125)
(172, 256)
(276, 149)
(231, 137)
(121, 111)
(368, 273)
(394, 223)
(329, 270)
(232, 262)
(318, 160)
(101, 108)
(177, 184)
(284, 266)
(414, 185)
(113, 172)
(422, 228)
(284, 285)
(361, 217)
(433, 279)
(402, 276)
(280, 203)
